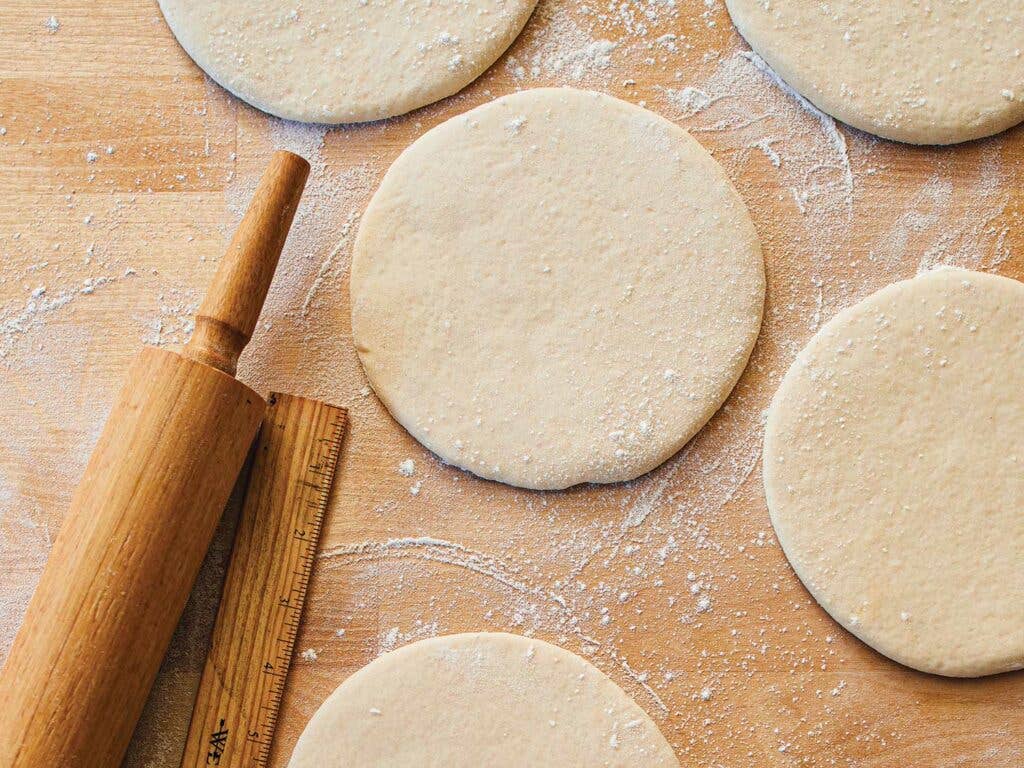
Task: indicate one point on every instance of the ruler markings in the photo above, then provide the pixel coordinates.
(237, 708)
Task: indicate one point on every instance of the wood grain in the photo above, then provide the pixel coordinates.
(122, 566)
(787, 687)
(233, 302)
(143, 516)
(239, 695)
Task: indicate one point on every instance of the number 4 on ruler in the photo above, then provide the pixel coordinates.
(265, 590)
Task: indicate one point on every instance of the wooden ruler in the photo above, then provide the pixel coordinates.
(243, 682)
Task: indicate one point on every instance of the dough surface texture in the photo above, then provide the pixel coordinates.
(473, 700)
(894, 471)
(324, 61)
(910, 70)
(556, 287)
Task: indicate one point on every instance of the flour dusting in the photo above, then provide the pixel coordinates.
(673, 584)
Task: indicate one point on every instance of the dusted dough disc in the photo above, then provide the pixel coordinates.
(344, 61)
(894, 470)
(924, 72)
(475, 700)
(556, 287)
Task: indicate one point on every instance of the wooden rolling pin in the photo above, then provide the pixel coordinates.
(142, 518)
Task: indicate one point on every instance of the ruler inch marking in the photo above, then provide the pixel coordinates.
(243, 684)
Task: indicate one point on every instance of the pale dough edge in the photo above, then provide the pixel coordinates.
(919, 662)
(761, 43)
(468, 638)
(746, 239)
(360, 113)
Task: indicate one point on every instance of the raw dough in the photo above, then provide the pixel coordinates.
(324, 61)
(475, 700)
(554, 288)
(894, 470)
(916, 71)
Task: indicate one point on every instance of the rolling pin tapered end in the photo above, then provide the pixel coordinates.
(141, 519)
(228, 315)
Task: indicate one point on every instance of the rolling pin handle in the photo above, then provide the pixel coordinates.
(227, 317)
(81, 666)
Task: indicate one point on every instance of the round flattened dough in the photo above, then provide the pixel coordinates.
(466, 701)
(324, 61)
(909, 70)
(557, 287)
(894, 471)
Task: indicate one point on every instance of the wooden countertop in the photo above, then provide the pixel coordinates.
(122, 172)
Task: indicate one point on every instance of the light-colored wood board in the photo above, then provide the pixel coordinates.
(840, 214)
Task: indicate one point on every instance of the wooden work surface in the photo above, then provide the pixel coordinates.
(673, 584)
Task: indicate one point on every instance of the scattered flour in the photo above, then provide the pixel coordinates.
(711, 610)
(689, 101)
(561, 48)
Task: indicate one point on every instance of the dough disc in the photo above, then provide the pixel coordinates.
(894, 471)
(554, 288)
(914, 71)
(323, 61)
(467, 701)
